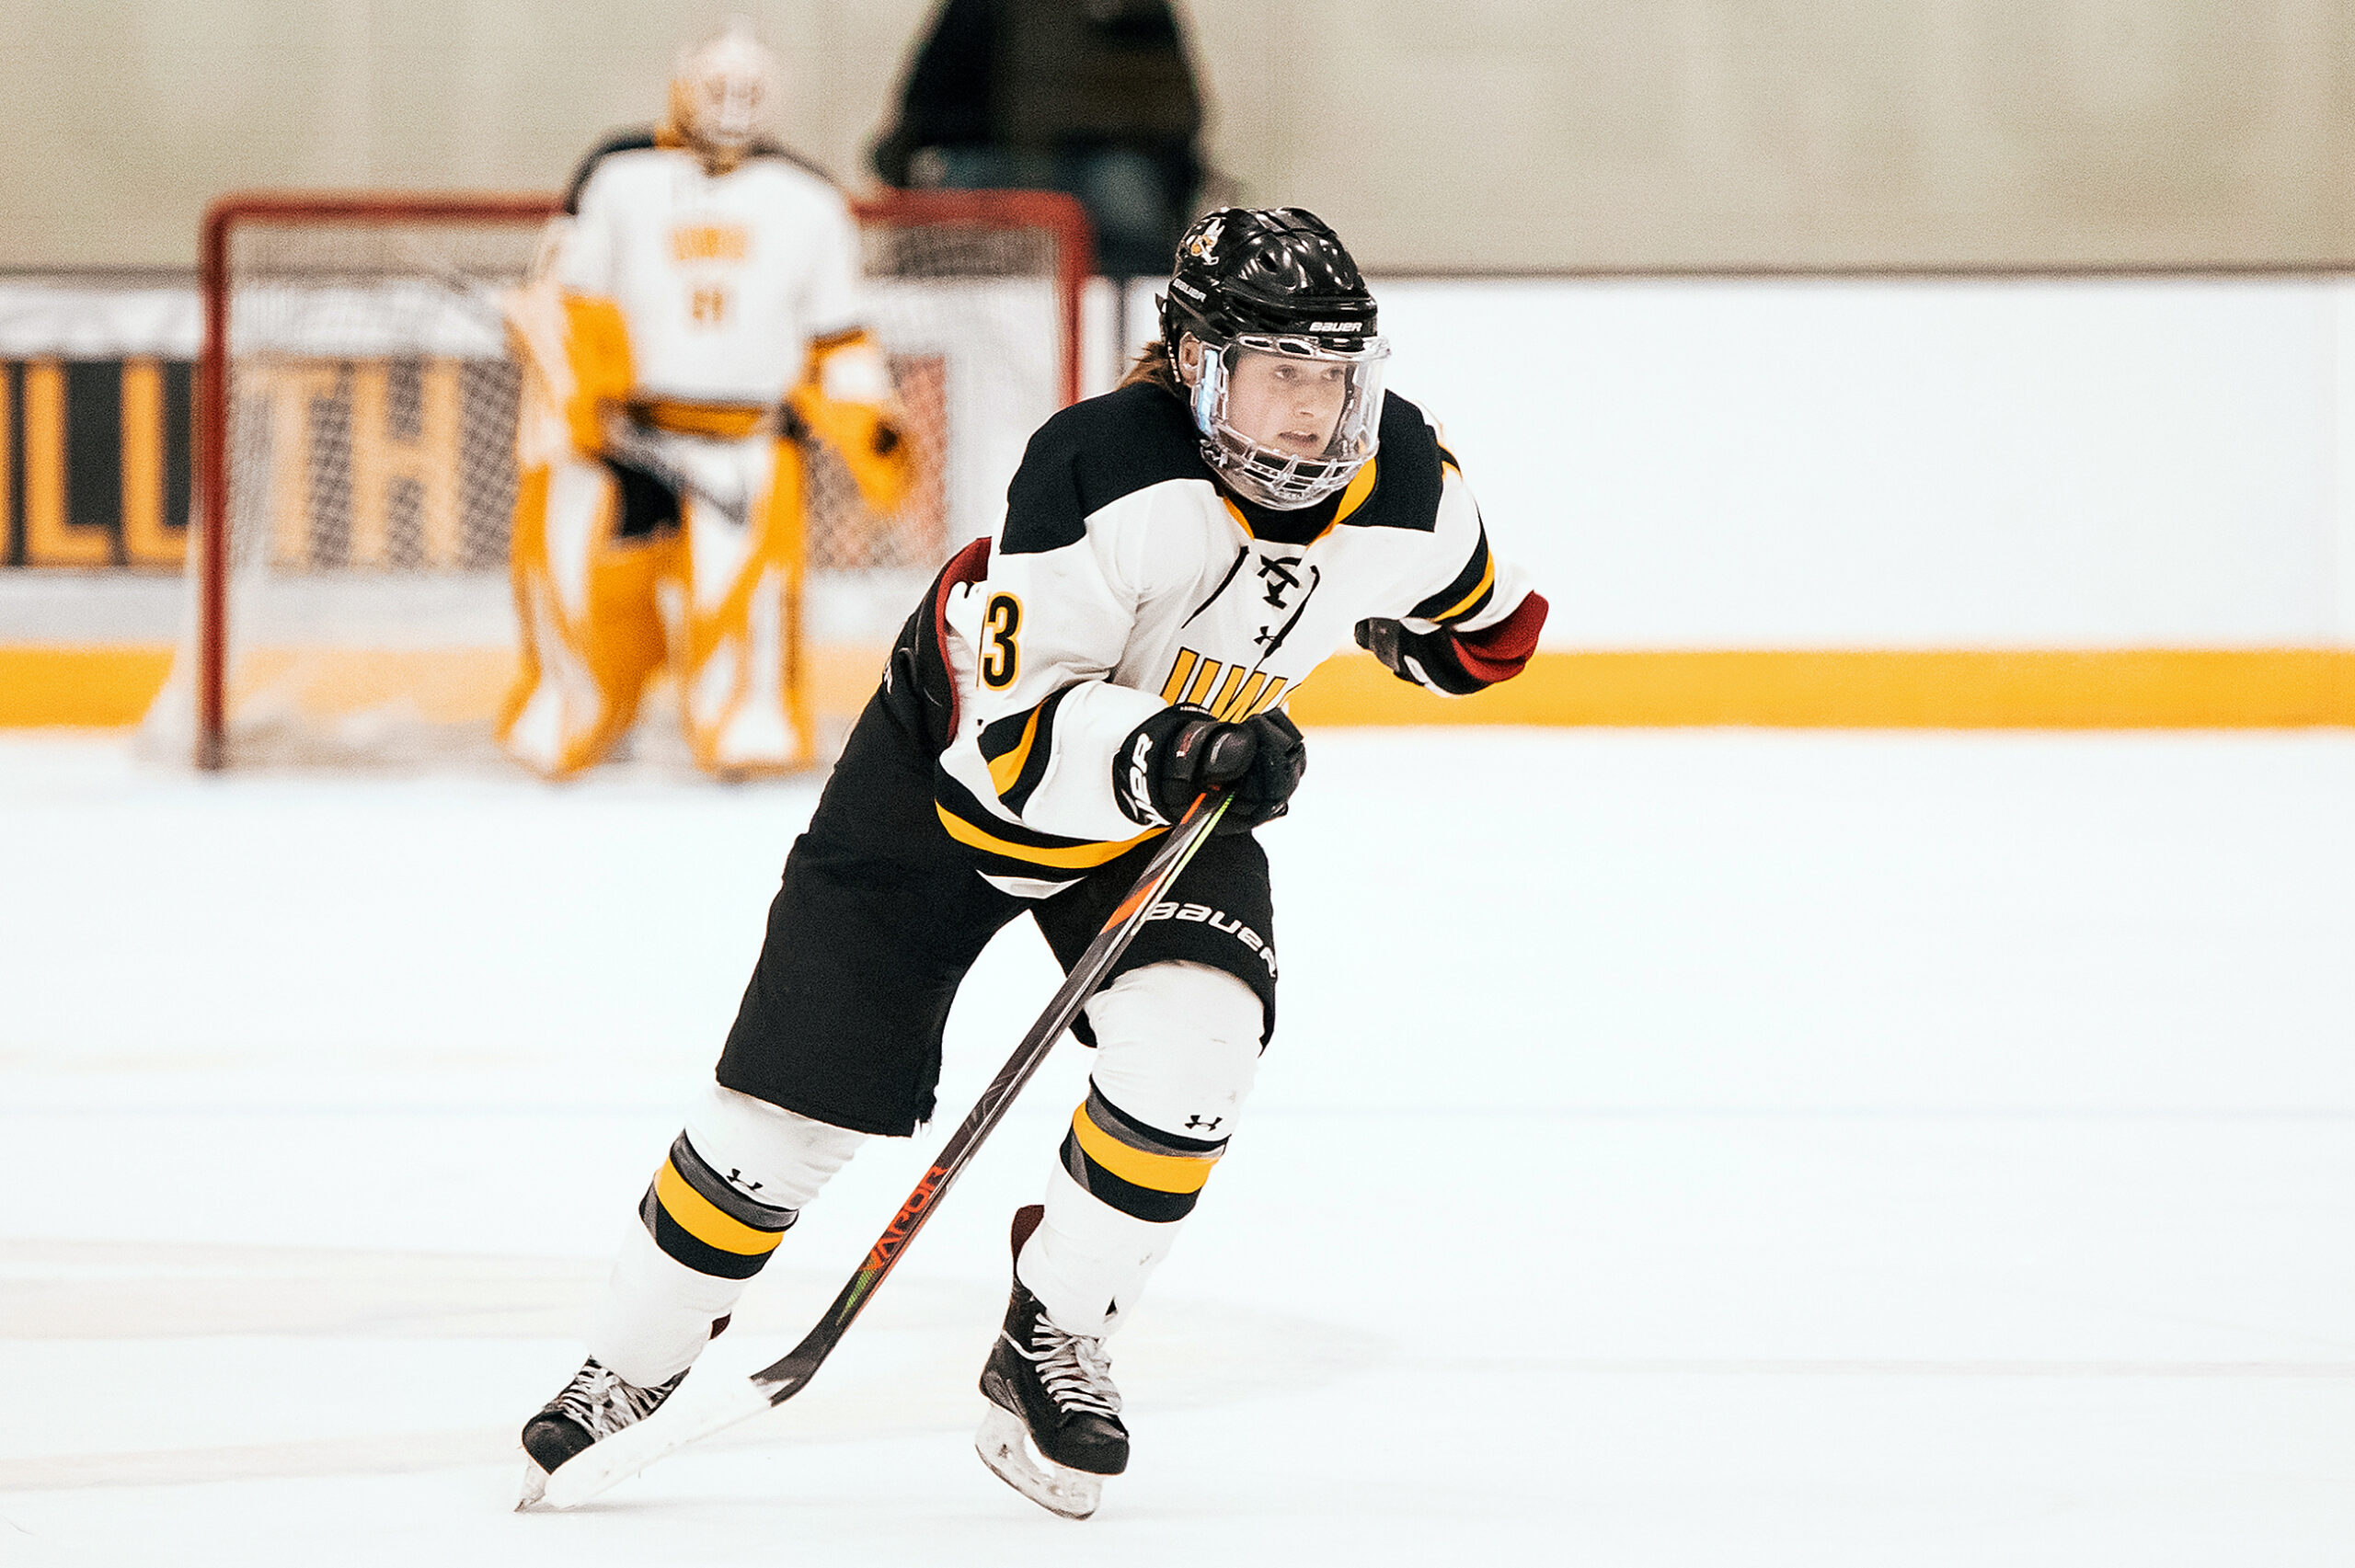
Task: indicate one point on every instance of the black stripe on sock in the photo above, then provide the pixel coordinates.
(679, 1244)
(1138, 1203)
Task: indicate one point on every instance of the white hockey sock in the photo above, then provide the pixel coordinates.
(735, 1180)
(1087, 1262)
(1177, 1045)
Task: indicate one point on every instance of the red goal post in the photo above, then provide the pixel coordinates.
(945, 270)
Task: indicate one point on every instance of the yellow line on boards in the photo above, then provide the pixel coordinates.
(2106, 689)
(2093, 689)
(85, 686)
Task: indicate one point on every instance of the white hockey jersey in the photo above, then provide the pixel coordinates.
(1123, 579)
(724, 281)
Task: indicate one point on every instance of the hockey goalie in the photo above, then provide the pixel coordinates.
(694, 322)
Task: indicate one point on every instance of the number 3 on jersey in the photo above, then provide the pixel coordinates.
(1001, 659)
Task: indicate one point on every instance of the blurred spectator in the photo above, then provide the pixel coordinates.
(1093, 98)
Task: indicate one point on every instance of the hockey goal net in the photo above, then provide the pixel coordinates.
(355, 462)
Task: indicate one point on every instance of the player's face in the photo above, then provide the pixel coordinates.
(1285, 403)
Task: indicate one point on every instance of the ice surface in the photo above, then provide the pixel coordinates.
(1677, 1148)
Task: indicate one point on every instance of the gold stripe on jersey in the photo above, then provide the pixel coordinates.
(1204, 679)
(702, 1218)
(1240, 694)
(1244, 523)
(1074, 857)
(827, 342)
(1018, 750)
(1226, 698)
(1160, 1173)
(1467, 592)
(1354, 496)
(1187, 659)
(1488, 580)
(979, 827)
(723, 421)
(1360, 486)
(1006, 770)
(1240, 707)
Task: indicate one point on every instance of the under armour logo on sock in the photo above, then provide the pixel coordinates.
(1209, 1125)
(737, 1177)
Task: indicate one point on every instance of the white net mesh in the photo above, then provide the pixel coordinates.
(369, 458)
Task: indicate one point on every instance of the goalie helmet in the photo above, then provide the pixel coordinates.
(1275, 301)
(720, 91)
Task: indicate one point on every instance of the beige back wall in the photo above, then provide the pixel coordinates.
(1472, 134)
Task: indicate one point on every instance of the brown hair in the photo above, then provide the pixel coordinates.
(1152, 366)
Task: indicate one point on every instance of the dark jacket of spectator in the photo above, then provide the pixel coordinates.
(1045, 86)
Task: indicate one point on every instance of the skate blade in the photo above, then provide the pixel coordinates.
(535, 1484)
(1005, 1446)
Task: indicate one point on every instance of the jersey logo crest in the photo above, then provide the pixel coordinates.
(1279, 576)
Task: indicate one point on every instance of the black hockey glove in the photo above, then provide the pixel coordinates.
(1426, 658)
(1179, 752)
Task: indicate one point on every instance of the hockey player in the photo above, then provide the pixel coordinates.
(698, 319)
(1176, 558)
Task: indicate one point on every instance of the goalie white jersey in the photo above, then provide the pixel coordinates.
(1124, 580)
(726, 280)
(682, 308)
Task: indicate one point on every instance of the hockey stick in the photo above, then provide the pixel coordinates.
(638, 448)
(672, 1428)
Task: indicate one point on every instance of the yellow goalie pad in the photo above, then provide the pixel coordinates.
(618, 583)
(575, 352)
(607, 601)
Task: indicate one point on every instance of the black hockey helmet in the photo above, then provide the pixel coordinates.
(1272, 294)
(1280, 271)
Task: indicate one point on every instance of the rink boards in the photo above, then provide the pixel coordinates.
(1895, 501)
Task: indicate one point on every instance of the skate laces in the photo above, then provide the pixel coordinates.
(1076, 1373)
(604, 1402)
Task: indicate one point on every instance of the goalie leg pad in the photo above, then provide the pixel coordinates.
(734, 1182)
(1178, 1046)
(585, 603)
(745, 708)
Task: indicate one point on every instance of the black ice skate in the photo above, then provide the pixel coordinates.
(597, 1403)
(1053, 1429)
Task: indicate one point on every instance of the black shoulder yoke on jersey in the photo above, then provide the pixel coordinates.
(1092, 453)
(643, 139)
(1089, 455)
